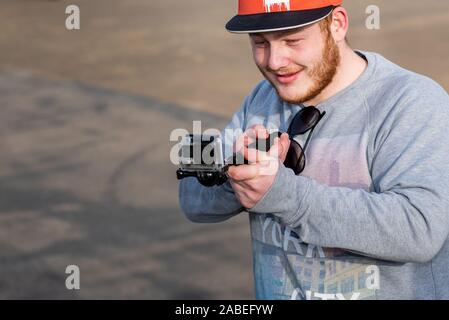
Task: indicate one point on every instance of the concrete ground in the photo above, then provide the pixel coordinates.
(85, 118)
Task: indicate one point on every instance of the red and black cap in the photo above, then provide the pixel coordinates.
(273, 15)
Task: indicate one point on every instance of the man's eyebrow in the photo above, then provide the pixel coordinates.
(280, 34)
(289, 32)
(260, 35)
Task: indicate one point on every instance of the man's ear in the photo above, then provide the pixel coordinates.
(340, 24)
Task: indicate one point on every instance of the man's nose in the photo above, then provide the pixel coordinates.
(278, 58)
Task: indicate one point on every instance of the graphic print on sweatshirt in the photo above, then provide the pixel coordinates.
(287, 268)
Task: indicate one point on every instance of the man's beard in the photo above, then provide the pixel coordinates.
(321, 73)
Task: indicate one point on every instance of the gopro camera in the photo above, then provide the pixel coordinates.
(201, 156)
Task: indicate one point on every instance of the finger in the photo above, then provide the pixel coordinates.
(243, 172)
(276, 149)
(243, 140)
(254, 155)
(285, 142)
(260, 135)
(285, 139)
(258, 131)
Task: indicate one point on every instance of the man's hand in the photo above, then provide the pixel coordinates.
(251, 182)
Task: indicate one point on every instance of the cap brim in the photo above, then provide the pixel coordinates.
(276, 21)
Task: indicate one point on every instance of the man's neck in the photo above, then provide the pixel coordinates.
(350, 69)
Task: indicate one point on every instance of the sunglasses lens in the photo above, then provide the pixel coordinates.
(295, 159)
(304, 121)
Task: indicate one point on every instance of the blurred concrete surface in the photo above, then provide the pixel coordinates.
(85, 119)
(85, 179)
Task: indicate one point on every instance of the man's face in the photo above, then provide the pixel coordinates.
(299, 63)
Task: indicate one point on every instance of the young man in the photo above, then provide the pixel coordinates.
(363, 211)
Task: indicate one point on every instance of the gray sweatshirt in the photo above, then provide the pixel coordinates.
(368, 218)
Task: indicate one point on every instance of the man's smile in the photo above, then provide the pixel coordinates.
(286, 78)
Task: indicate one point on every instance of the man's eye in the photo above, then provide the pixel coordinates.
(260, 43)
(293, 42)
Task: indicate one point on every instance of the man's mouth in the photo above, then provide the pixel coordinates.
(287, 78)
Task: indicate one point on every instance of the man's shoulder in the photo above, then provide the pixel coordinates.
(403, 100)
(393, 78)
(392, 85)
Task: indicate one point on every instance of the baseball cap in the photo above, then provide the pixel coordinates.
(273, 15)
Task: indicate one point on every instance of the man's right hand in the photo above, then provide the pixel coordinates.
(256, 132)
(250, 182)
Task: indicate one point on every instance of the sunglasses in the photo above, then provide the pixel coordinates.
(305, 120)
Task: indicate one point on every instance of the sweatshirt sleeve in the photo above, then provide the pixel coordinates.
(406, 216)
(215, 204)
(211, 204)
